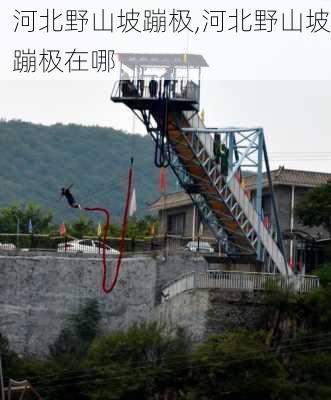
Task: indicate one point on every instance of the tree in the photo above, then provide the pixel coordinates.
(138, 364)
(9, 359)
(283, 315)
(65, 366)
(140, 227)
(324, 273)
(82, 226)
(137, 227)
(315, 208)
(310, 372)
(317, 304)
(236, 365)
(114, 230)
(78, 333)
(22, 214)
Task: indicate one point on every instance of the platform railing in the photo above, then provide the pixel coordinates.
(236, 280)
(176, 89)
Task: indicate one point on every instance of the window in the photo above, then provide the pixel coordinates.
(176, 224)
(86, 243)
(266, 204)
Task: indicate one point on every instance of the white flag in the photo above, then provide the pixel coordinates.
(30, 229)
(133, 203)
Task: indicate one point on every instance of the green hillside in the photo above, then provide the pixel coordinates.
(37, 160)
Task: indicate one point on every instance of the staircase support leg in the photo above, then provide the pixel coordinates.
(259, 188)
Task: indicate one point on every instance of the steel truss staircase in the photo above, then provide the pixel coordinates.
(221, 202)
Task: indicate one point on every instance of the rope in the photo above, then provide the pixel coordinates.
(104, 262)
(123, 234)
(73, 204)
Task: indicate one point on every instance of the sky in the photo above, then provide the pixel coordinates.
(281, 82)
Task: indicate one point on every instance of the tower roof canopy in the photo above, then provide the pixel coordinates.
(162, 60)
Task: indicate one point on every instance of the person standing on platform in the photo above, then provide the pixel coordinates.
(167, 76)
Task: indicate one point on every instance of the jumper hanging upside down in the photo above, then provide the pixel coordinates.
(65, 191)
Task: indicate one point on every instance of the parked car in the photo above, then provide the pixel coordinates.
(7, 246)
(84, 246)
(201, 247)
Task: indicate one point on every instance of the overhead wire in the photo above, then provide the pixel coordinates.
(316, 340)
(174, 366)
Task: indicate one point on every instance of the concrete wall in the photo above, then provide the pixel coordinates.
(39, 291)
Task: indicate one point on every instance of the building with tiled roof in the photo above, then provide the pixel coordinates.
(280, 177)
(291, 177)
(171, 200)
(178, 216)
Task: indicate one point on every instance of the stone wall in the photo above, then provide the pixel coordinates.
(188, 311)
(230, 310)
(39, 291)
(201, 312)
(175, 265)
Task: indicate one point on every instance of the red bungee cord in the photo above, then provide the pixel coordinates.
(104, 262)
(68, 195)
(122, 241)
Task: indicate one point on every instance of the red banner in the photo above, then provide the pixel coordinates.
(62, 229)
(163, 180)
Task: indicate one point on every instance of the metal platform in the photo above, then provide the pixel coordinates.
(151, 103)
(151, 94)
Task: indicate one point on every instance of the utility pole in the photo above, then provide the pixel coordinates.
(1, 381)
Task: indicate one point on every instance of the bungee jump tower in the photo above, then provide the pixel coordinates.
(163, 91)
